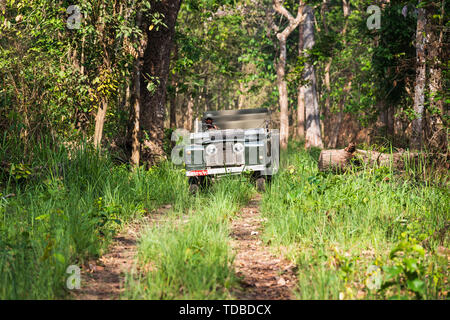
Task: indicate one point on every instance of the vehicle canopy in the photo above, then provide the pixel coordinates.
(239, 119)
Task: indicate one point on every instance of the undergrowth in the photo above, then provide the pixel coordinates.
(61, 207)
(369, 233)
(350, 234)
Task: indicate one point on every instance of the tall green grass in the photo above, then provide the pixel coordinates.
(335, 226)
(188, 256)
(62, 207)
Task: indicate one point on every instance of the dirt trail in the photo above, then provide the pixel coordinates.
(265, 276)
(103, 279)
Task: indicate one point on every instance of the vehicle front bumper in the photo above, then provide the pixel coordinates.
(218, 171)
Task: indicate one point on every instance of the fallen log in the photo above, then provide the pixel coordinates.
(336, 160)
(343, 159)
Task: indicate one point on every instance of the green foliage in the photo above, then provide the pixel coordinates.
(104, 216)
(68, 213)
(295, 75)
(407, 272)
(20, 171)
(223, 52)
(393, 58)
(54, 76)
(335, 226)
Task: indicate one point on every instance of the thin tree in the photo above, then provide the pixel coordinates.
(137, 66)
(154, 75)
(435, 36)
(419, 87)
(104, 73)
(281, 67)
(300, 132)
(313, 135)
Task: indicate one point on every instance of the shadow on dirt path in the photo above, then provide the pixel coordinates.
(265, 276)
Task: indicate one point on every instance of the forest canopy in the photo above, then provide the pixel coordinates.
(76, 72)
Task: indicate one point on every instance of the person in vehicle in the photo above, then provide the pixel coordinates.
(210, 124)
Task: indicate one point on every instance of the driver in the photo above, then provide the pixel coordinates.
(210, 124)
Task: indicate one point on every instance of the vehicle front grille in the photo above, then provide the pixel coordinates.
(225, 156)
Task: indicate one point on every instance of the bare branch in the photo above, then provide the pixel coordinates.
(293, 22)
(278, 7)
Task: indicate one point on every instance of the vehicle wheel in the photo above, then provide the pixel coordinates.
(205, 182)
(261, 184)
(193, 188)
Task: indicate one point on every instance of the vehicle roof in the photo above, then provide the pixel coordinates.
(239, 119)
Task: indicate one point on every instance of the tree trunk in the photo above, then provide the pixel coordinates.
(241, 94)
(190, 112)
(390, 121)
(136, 112)
(301, 112)
(336, 160)
(135, 144)
(436, 136)
(183, 114)
(173, 102)
(301, 93)
(282, 91)
(327, 132)
(419, 87)
(219, 101)
(208, 105)
(100, 121)
(346, 11)
(154, 76)
(292, 123)
(327, 108)
(173, 110)
(281, 66)
(313, 135)
(174, 92)
(343, 159)
(103, 106)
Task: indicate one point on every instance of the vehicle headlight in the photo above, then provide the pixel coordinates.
(211, 150)
(238, 147)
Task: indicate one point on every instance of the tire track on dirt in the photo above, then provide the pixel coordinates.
(264, 276)
(103, 279)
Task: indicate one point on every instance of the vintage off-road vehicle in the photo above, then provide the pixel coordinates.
(237, 141)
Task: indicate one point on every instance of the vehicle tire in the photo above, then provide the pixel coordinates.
(261, 184)
(193, 188)
(205, 182)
